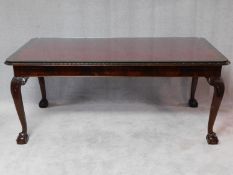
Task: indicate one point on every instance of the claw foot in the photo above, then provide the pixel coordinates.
(193, 103)
(212, 138)
(22, 138)
(43, 103)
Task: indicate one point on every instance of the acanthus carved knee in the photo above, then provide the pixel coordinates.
(17, 82)
(20, 80)
(218, 85)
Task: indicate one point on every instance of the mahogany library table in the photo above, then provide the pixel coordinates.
(136, 57)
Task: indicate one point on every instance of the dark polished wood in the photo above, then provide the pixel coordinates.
(16, 84)
(193, 102)
(118, 70)
(219, 88)
(118, 50)
(44, 102)
(137, 57)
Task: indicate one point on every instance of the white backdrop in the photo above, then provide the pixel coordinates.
(24, 19)
(115, 125)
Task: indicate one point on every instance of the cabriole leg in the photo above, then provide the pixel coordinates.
(44, 102)
(16, 84)
(193, 102)
(218, 85)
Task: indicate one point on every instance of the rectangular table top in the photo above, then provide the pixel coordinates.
(167, 50)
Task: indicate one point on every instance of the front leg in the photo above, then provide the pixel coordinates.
(16, 84)
(219, 88)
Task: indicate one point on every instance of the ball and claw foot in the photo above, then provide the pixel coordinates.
(22, 138)
(193, 103)
(212, 138)
(43, 103)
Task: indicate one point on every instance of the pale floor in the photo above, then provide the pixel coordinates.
(116, 137)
